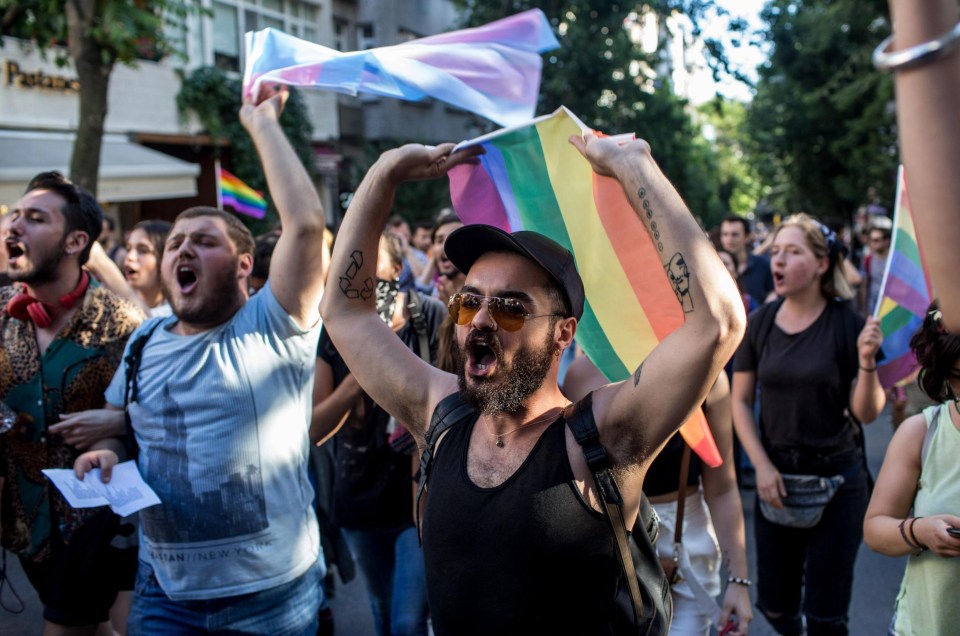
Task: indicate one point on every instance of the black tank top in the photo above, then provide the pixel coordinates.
(526, 557)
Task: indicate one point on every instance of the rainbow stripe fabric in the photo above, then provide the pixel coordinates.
(905, 294)
(532, 178)
(492, 70)
(241, 197)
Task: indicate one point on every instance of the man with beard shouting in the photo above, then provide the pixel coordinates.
(61, 339)
(221, 415)
(513, 538)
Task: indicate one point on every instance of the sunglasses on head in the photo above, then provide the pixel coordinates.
(508, 313)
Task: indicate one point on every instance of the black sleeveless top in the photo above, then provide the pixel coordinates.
(663, 476)
(526, 557)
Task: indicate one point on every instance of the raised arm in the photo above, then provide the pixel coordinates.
(867, 396)
(675, 378)
(928, 121)
(395, 377)
(298, 261)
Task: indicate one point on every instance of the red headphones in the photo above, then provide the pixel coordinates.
(23, 306)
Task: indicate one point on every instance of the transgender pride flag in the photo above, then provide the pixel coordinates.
(905, 294)
(532, 178)
(492, 70)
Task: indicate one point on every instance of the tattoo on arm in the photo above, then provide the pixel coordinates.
(636, 375)
(346, 281)
(679, 277)
(648, 212)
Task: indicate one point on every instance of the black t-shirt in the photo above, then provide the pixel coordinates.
(756, 279)
(372, 484)
(802, 392)
(663, 476)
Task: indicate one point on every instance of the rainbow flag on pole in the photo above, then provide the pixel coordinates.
(234, 193)
(532, 178)
(905, 293)
(492, 70)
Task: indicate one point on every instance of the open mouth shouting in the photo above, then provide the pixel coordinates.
(483, 352)
(778, 278)
(187, 280)
(15, 250)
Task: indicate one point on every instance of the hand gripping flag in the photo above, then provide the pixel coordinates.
(532, 178)
(905, 293)
(492, 70)
(238, 195)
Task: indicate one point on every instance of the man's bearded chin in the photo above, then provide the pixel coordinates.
(511, 384)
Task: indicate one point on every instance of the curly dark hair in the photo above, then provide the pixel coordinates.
(937, 352)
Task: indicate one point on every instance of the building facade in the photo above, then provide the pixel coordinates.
(155, 163)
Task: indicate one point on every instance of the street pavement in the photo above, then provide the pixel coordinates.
(876, 581)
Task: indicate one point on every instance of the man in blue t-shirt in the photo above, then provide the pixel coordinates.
(221, 415)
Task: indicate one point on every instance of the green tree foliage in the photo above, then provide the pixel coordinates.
(598, 73)
(97, 35)
(740, 185)
(821, 125)
(215, 100)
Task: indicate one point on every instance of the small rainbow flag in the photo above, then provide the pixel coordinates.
(905, 293)
(491, 70)
(532, 178)
(234, 193)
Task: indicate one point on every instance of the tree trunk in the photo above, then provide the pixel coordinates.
(93, 72)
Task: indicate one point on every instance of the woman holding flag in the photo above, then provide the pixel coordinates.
(920, 472)
(815, 361)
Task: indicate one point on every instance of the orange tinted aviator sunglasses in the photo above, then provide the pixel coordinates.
(509, 313)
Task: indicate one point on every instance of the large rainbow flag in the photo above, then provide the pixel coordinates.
(233, 192)
(491, 70)
(905, 293)
(532, 178)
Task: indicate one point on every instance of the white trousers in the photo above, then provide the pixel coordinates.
(694, 605)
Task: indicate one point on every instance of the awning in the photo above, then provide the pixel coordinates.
(128, 171)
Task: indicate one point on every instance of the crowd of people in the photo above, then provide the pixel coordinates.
(415, 402)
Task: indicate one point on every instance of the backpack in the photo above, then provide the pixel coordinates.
(643, 599)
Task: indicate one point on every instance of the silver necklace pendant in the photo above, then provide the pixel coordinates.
(499, 443)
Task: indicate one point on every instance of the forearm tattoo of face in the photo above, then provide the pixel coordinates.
(347, 280)
(679, 277)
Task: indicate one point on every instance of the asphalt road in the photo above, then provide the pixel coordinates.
(876, 581)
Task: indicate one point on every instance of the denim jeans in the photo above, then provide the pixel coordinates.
(289, 609)
(392, 562)
(812, 568)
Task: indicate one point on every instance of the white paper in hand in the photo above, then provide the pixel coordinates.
(125, 494)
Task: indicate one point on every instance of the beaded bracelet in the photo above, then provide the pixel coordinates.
(915, 55)
(740, 581)
(868, 369)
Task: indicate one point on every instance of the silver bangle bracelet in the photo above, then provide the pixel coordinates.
(915, 55)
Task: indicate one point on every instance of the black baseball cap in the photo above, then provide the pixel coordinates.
(468, 243)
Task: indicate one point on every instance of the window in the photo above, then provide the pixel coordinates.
(233, 18)
(226, 37)
(365, 37)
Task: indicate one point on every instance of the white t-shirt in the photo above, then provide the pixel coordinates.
(222, 423)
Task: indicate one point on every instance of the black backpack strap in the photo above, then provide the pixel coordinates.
(131, 393)
(584, 430)
(764, 317)
(451, 410)
(415, 306)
